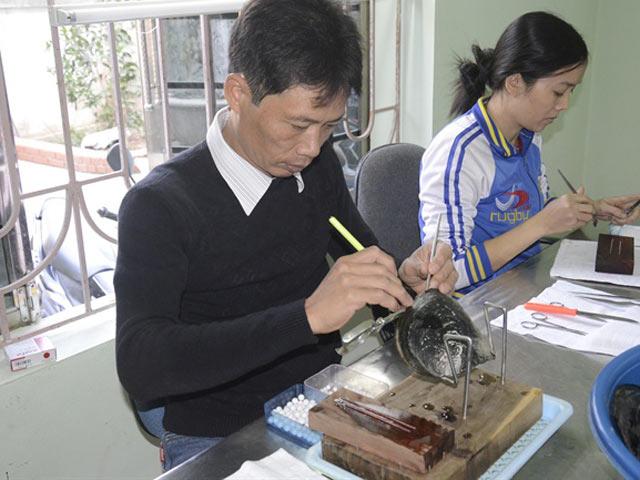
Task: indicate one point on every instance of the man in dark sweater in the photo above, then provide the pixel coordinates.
(224, 294)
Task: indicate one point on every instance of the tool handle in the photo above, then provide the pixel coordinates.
(545, 308)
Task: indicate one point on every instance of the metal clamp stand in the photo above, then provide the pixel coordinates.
(467, 373)
(503, 359)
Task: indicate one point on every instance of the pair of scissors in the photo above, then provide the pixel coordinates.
(541, 320)
(572, 312)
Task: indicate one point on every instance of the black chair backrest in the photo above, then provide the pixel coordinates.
(386, 194)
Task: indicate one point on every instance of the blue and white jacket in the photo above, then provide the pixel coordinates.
(483, 186)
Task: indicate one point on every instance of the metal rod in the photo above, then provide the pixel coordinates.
(117, 100)
(66, 132)
(503, 359)
(207, 68)
(385, 109)
(434, 245)
(59, 324)
(396, 136)
(372, 102)
(8, 142)
(487, 322)
(143, 60)
(346, 404)
(49, 258)
(164, 96)
(4, 323)
(467, 374)
(91, 222)
(121, 11)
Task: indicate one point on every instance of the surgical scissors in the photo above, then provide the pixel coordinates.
(541, 320)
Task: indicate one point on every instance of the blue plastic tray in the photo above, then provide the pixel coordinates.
(287, 428)
(624, 369)
(554, 413)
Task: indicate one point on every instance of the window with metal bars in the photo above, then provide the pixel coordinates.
(58, 239)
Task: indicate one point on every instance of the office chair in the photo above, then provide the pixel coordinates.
(386, 194)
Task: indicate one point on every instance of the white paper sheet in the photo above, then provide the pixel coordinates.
(280, 465)
(611, 337)
(577, 259)
(631, 231)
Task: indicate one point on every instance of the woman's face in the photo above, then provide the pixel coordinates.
(541, 103)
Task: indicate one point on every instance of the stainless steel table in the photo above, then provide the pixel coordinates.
(570, 454)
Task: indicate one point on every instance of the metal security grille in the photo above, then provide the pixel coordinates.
(151, 21)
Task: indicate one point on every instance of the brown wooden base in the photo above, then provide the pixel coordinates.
(498, 416)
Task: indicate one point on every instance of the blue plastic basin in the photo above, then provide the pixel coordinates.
(624, 369)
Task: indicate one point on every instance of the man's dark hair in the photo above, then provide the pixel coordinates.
(279, 44)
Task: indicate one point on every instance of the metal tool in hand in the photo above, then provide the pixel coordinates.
(434, 244)
(573, 190)
(572, 312)
(349, 343)
(541, 320)
(632, 207)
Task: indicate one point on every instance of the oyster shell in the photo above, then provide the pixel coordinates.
(420, 334)
(625, 413)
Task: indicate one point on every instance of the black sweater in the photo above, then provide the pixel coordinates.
(210, 301)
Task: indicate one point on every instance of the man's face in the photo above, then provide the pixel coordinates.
(285, 132)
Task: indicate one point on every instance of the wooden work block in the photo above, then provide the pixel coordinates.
(403, 438)
(615, 254)
(497, 417)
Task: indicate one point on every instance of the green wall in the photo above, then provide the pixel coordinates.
(593, 142)
(612, 158)
(460, 23)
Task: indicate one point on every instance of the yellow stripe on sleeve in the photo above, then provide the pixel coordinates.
(479, 262)
(472, 268)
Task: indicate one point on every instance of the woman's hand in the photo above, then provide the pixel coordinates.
(616, 209)
(569, 212)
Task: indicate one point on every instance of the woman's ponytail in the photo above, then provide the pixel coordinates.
(472, 79)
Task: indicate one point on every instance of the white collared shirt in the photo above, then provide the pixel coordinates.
(247, 182)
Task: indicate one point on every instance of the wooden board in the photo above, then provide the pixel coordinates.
(615, 254)
(409, 440)
(498, 416)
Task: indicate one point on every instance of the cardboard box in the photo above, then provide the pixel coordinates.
(31, 352)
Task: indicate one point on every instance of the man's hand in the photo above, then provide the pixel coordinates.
(414, 269)
(365, 277)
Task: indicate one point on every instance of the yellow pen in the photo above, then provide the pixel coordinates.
(358, 246)
(345, 233)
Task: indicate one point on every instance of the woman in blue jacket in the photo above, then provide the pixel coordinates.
(484, 173)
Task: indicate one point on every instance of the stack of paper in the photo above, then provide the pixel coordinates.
(577, 259)
(610, 337)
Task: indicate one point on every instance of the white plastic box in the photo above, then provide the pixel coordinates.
(337, 376)
(30, 352)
